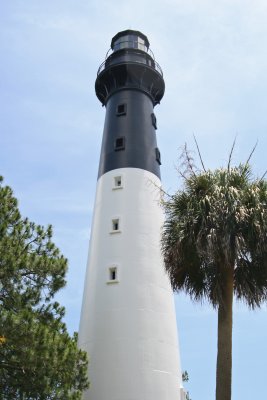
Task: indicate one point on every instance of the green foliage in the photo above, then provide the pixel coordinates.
(185, 376)
(38, 358)
(218, 221)
(214, 246)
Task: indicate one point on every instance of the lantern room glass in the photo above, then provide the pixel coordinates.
(130, 42)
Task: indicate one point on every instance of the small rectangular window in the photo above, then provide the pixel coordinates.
(113, 274)
(117, 182)
(115, 224)
(121, 109)
(154, 120)
(120, 143)
(158, 157)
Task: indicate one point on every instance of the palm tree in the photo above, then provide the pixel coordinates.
(214, 245)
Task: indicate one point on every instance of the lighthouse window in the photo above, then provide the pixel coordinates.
(112, 275)
(121, 109)
(120, 143)
(115, 225)
(117, 182)
(154, 120)
(158, 158)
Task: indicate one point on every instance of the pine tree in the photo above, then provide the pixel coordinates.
(38, 358)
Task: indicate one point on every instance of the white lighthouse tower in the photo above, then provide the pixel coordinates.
(128, 324)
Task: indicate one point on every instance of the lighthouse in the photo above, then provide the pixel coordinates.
(128, 323)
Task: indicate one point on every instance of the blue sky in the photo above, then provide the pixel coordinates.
(214, 59)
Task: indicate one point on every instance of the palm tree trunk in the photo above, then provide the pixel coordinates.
(224, 354)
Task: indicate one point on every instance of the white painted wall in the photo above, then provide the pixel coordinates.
(128, 328)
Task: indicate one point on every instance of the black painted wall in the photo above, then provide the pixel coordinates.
(135, 130)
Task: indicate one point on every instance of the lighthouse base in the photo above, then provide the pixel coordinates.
(128, 323)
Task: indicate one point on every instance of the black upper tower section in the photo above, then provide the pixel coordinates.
(129, 83)
(131, 65)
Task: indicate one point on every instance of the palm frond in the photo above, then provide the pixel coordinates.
(218, 221)
(251, 153)
(199, 154)
(230, 155)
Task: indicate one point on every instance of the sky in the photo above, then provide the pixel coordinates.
(214, 60)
